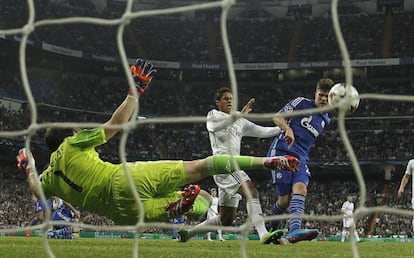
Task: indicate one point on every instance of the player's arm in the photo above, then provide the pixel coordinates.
(70, 206)
(282, 123)
(121, 116)
(142, 72)
(248, 107)
(404, 180)
(26, 163)
(253, 130)
(216, 123)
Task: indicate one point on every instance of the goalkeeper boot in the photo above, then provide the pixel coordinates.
(289, 163)
(302, 234)
(269, 237)
(183, 235)
(185, 203)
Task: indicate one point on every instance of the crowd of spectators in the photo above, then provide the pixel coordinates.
(198, 39)
(83, 98)
(16, 207)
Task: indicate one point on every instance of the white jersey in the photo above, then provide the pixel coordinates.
(348, 209)
(410, 171)
(213, 209)
(220, 126)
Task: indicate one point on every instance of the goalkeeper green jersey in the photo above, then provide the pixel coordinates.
(77, 174)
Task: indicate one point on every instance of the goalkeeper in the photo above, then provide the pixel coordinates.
(77, 174)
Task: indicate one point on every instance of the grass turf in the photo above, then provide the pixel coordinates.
(88, 247)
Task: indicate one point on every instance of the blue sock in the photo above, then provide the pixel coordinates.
(63, 232)
(276, 210)
(296, 207)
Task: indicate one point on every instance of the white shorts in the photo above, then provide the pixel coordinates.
(348, 222)
(211, 214)
(228, 185)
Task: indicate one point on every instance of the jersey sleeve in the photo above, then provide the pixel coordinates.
(88, 138)
(410, 167)
(253, 130)
(292, 105)
(45, 181)
(217, 121)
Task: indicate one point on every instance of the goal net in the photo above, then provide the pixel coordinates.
(86, 101)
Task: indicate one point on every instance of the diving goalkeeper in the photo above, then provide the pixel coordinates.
(77, 174)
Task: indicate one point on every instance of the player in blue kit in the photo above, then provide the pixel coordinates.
(64, 211)
(297, 139)
(40, 210)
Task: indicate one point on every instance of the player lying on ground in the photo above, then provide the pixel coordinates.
(64, 211)
(77, 174)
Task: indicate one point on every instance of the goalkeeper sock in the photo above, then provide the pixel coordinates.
(223, 164)
(200, 207)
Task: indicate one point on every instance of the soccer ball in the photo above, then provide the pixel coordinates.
(338, 92)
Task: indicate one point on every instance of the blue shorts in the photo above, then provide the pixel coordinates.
(284, 180)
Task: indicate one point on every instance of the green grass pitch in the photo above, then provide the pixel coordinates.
(33, 247)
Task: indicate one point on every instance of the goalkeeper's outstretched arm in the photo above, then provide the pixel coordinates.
(142, 72)
(26, 162)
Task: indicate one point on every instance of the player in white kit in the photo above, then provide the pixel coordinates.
(348, 224)
(225, 138)
(212, 212)
(404, 181)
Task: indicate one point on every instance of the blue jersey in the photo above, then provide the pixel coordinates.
(63, 213)
(40, 206)
(178, 220)
(305, 128)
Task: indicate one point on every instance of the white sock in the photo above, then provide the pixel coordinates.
(220, 236)
(343, 235)
(256, 213)
(199, 228)
(208, 235)
(356, 236)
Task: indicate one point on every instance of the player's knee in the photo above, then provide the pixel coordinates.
(251, 188)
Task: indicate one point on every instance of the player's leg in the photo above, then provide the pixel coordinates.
(228, 203)
(65, 232)
(353, 230)
(171, 206)
(254, 209)
(220, 235)
(208, 236)
(344, 232)
(223, 164)
(282, 182)
(157, 184)
(297, 207)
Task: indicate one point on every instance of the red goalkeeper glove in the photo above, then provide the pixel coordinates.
(143, 72)
(23, 161)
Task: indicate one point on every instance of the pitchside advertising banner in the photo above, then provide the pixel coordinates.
(221, 66)
(129, 234)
